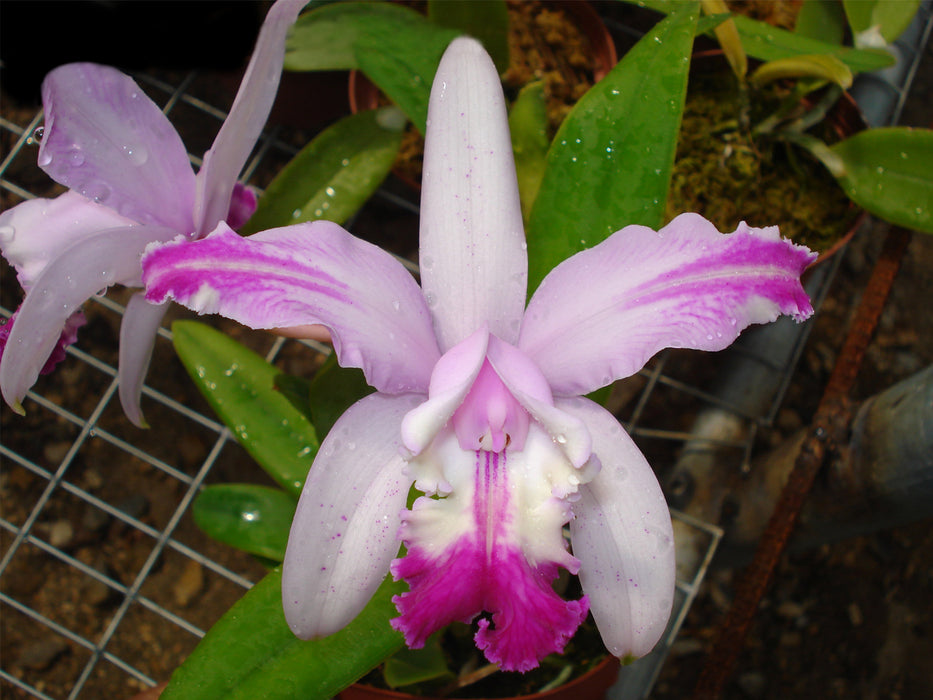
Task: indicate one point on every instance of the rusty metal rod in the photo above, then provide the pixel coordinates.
(832, 416)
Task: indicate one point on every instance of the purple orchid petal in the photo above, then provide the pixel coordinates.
(68, 336)
(600, 315)
(307, 274)
(343, 536)
(35, 231)
(473, 260)
(138, 330)
(242, 206)
(240, 130)
(622, 535)
(105, 139)
(79, 272)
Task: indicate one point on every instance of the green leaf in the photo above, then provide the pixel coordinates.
(889, 172)
(252, 518)
(397, 48)
(818, 66)
(251, 654)
(334, 175)
(528, 124)
(410, 666)
(486, 21)
(821, 19)
(610, 163)
(333, 390)
(768, 43)
(240, 387)
(891, 18)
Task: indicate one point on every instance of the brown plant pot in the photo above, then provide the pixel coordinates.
(363, 94)
(592, 685)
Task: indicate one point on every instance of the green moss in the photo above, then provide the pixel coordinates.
(728, 175)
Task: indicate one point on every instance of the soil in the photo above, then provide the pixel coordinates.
(846, 620)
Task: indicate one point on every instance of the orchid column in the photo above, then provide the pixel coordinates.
(479, 400)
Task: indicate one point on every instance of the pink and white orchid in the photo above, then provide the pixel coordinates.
(479, 400)
(130, 183)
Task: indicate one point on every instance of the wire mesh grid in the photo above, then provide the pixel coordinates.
(106, 584)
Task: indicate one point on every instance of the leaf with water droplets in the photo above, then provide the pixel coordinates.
(251, 653)
(889, 172)
(275, 433)
(252, 518)
(610, 163)
(332, 176)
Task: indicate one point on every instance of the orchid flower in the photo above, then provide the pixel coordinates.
(130, 183)
(479, 400)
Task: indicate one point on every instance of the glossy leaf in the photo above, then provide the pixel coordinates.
(889, 17)
(334, 175)
(249, 517)
(528, 124)
(728, 37)
(410, 666)
(821, 19)
(240, 386)
(889, 172)
(397, 48)
(251, 654)
(768, 43)
(819, 66)
(610, 163)
(487, 21)
(333, 390)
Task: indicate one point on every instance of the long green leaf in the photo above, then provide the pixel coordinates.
(769, 43)
(889, 172)
(334, 175)
(249, 517)
(240, 387)
(333, 390)
(397, 48)
(528, 124)
(610, 162)
(251, 654)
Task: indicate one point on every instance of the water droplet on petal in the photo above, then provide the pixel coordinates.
(75, 158)
(37, 135)
(136, 154)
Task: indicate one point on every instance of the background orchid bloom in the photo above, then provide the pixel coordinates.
(479, 400)
(130, 183)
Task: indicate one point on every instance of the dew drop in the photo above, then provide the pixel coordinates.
(37, 135)
(97, 191)
(396, 304)
(75, 158)
(431, 299)
(296, 214)
(560, 439)
(329, 191)
(137, 155)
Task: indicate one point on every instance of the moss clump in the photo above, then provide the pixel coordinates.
(728, 174)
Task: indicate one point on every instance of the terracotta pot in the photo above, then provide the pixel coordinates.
(592, 685)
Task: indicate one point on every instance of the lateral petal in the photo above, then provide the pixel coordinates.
(240, 130)
(306, 274)
(622, 535)
(343, 536)
(601, 314)
(105, 139)
(473, 259)
(79, 272)
(35, 231)
(137, 338)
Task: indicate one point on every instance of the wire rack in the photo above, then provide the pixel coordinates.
(106, 584)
